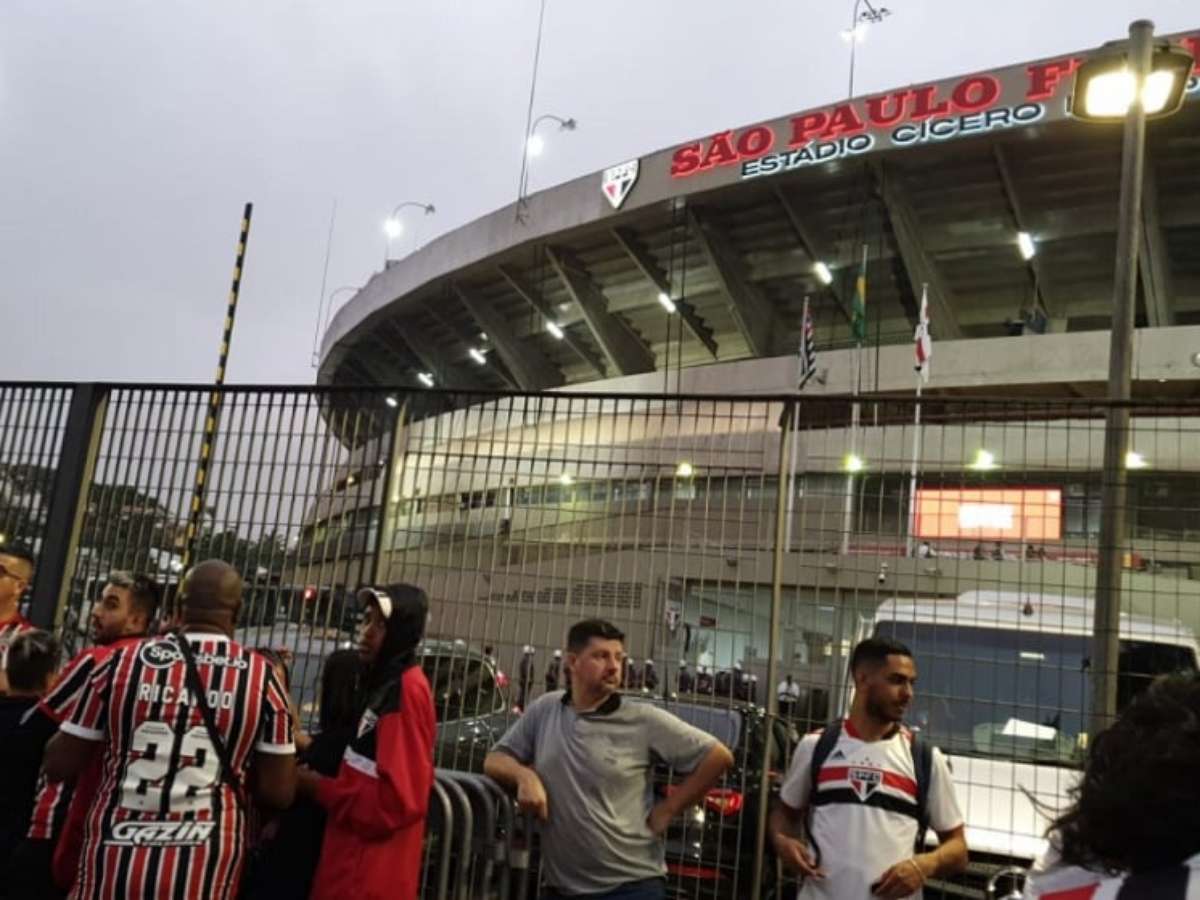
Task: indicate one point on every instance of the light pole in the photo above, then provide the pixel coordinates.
(1135, 81)
(393, 227)
(858, 29)
(534, 145)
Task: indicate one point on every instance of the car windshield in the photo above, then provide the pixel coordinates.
(462, 686)
(1016, 694)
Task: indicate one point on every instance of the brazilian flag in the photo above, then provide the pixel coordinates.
(858, 312)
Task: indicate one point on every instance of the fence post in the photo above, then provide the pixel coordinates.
(68, 503)
(786, 436)
(385, 533)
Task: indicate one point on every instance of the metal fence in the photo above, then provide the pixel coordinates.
(735, 540)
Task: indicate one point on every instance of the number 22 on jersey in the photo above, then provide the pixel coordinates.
(188, 788)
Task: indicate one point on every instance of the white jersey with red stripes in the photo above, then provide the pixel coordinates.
(1050, 880)
(165, 824)
(865, 817)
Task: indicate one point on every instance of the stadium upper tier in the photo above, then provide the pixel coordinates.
(734, 230)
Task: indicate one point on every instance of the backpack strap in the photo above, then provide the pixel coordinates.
(196, 685)
(922, 754)
(825, 744)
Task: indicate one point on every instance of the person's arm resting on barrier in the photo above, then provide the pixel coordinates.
(531, 793)
(510, 762)
(686, 749)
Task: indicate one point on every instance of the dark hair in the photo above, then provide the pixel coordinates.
(582, 632)
(19, 551)
(32, 659)
(874, 651)
(1138, 804)
(144, 592)
(341, 682)
(404, 630)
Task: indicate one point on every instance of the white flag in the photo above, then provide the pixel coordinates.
(924, 343)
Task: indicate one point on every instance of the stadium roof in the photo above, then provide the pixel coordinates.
(935, 180)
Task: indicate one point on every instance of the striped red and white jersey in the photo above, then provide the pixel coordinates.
(52, 798)
(165, 824)
(865, 813)
(1050, 880)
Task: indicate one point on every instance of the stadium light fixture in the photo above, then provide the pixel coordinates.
(857, 34)
(1025, 245)
(393, 227)
(667, 303)
(822, 272)
(535, 145)
(1106, 86)
(565, 479)
(685, 470)
(984, 461)
(1135, 460)
(425, 378)
(555, 329)
(1128, 81)
(478, 355)
(391, 401)
(853, 463)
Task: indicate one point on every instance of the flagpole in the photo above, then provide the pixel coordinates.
(912, 481)
(802, 375)
(855, 408)
(921, 342)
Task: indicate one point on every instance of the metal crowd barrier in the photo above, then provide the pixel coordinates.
(476, 842)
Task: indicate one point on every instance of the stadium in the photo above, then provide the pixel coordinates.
(593, 406)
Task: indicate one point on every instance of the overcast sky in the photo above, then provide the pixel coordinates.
(131, 133)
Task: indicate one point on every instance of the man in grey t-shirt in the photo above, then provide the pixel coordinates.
(582, 761)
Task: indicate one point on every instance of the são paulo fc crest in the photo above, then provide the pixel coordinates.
(618, 181)
(159, 654)
(864, 782)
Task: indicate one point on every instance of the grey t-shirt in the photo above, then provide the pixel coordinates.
(598, 772)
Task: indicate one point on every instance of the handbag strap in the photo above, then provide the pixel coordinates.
(228, 773)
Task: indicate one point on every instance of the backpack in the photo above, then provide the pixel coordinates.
(922, 754)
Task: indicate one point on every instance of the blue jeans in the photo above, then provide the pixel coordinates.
(646, 889)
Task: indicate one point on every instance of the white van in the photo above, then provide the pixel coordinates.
(1003, 689)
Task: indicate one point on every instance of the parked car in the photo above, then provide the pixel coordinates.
(470, 696)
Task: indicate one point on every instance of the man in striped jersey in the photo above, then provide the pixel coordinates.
(185, 723)
(1136, 812)
(123, 612)
(16, 574)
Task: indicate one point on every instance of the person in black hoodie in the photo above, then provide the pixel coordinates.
(376, 804)
(288, 857)
(32, 662)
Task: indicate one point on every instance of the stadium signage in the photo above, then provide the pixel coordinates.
(941, 111)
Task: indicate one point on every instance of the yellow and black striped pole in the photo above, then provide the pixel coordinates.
(196, 515)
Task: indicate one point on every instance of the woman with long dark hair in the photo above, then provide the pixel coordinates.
(1133, 828)
(376, 804)
(287, 859)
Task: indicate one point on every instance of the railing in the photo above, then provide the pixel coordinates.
(520, 514)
